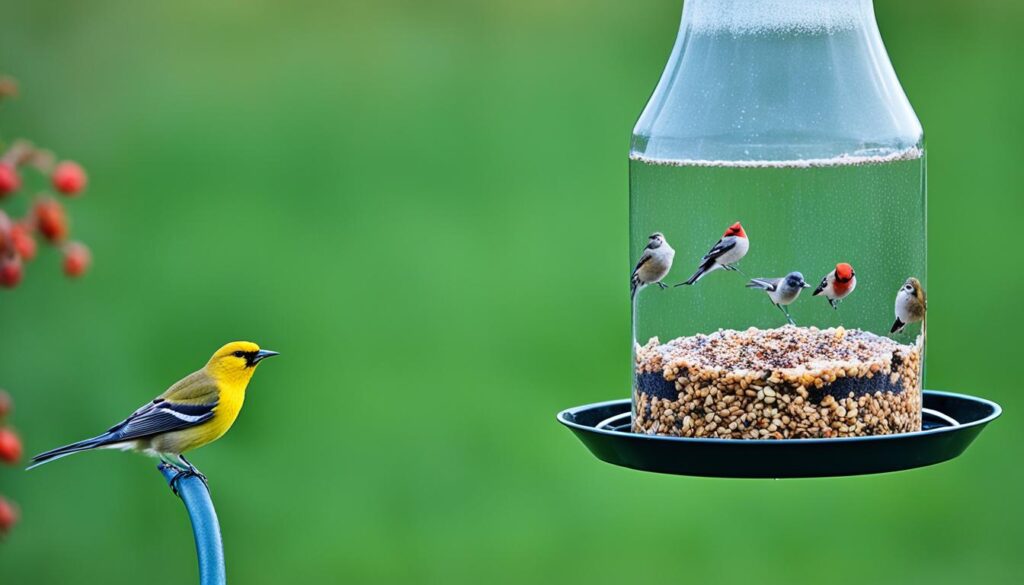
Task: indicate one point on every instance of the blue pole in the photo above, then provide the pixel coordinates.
(205, 528)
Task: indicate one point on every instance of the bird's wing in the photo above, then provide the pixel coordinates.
(821, 287)
(189, 402)
(643, 260)
(197, 387)
(159, 416)
(723, 246)
(768, 284)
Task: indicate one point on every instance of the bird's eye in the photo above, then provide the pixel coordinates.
(239, 354)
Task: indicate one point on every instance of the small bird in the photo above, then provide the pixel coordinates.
(195, 411)
(781, 291)
(728, 251)
(910, 305)
(837, 284)
(653, 265)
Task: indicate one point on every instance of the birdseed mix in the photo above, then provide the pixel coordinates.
(785, 383)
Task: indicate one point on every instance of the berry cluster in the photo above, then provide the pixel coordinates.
(10, 453)
(21, 165)
(25, 167)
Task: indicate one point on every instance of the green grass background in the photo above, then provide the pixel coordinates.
(423, 206)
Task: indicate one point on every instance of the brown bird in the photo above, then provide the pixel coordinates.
(910, 305)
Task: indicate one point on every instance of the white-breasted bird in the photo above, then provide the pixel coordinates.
(910, 305)
(654, 264)
(724, 254)
(838, 284)
(781, 291)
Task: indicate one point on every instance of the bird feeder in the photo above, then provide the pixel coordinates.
(778, 251)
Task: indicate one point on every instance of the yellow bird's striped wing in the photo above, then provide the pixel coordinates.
(159, 416)
(189, 402)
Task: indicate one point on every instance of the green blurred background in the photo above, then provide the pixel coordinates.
(423, 206)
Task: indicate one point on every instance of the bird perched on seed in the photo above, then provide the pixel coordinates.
(195, 411)
(910, 305)
(725, 254)
(837, 284)
(653, 265)
(781, 291)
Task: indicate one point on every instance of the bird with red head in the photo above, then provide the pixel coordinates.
(724, 254)
(838, 284)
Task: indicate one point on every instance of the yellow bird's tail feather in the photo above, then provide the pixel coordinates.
(54, 454)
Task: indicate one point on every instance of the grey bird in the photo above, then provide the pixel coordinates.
(781, 291)
(654, 264)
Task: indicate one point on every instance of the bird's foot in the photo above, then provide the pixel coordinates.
(195, 471)
(202, 478)
(662, 285)
(183, 473)
(173, 483)
(785, 312)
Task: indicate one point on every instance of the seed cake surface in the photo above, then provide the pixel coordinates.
(789, 382)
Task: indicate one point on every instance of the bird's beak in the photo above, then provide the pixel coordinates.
(805, 285)
(262, 355)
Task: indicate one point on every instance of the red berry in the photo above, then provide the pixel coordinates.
(24, 243)
(69, 178)
(6, 404)
(8, 86)
(10, 446)
(51, 220)
(10, 270)
(8, 516)
(9, 179)
(76, 259)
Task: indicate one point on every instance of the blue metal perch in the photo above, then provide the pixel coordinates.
(196, 496)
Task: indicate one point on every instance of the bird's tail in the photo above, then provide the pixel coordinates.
(634, 284)
(696, 276)
(54, 454)
(760, 284)
(897, 326)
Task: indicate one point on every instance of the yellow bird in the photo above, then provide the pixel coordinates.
(196, 410)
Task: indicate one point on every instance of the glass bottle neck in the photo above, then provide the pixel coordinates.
(767, 80)
(745, 17)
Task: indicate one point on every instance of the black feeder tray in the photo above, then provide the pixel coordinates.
(950, 424)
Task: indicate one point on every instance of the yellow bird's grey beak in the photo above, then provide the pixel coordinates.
(262, 355)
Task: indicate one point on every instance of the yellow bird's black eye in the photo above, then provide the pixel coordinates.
(239, 354)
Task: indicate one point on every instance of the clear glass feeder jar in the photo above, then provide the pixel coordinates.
(777, 229)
